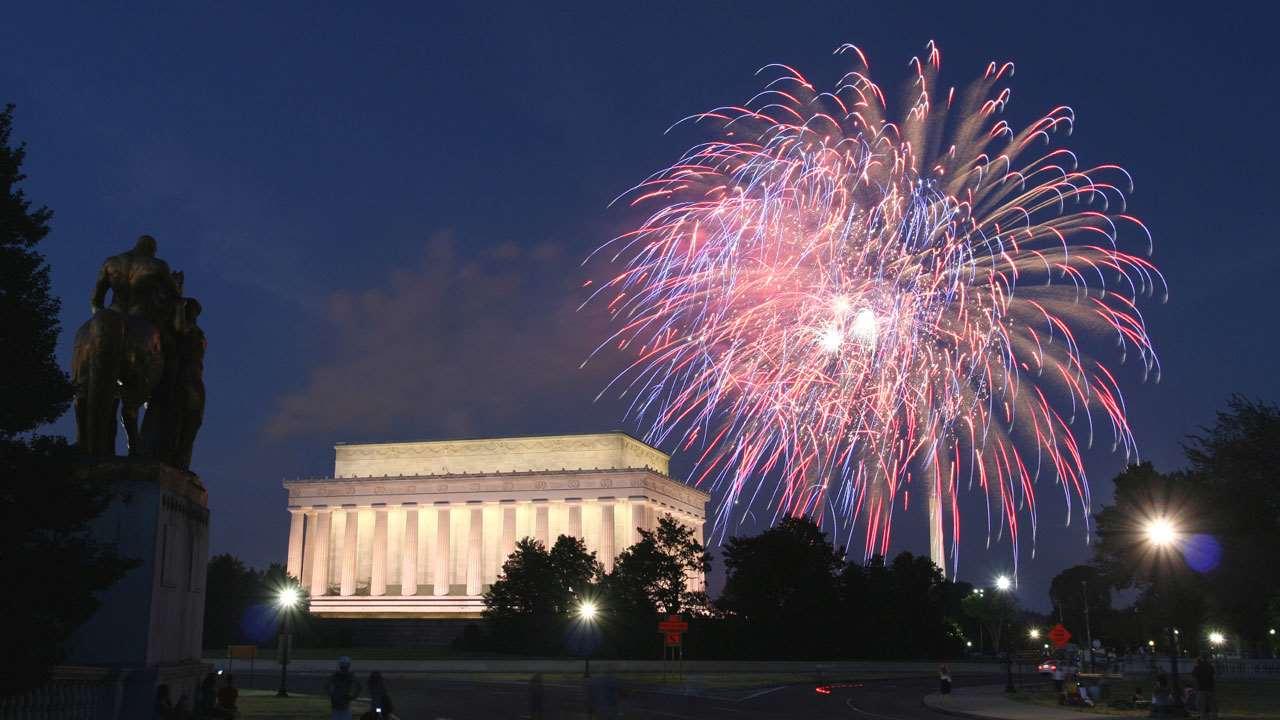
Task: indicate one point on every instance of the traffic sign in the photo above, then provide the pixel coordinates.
(673, 624)
(673, 639)
(1059, 635)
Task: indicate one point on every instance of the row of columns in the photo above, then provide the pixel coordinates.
(309, 532)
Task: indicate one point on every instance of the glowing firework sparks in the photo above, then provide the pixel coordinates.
(834, 308)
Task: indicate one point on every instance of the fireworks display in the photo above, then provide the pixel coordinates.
(833, 311)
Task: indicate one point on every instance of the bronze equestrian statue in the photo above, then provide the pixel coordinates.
(133, 352)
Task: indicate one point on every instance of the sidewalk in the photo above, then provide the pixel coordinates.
(989, 703)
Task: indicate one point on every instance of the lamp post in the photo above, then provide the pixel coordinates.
(1005, 585)
(287, 600)
(587, 615)
(1162, 536)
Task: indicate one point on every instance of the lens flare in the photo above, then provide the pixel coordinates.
(830, 309)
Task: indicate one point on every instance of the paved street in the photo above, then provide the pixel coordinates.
(420, 697)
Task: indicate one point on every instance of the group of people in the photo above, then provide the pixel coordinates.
(1202, 696)
(216, 701)
(343, 688)
(212, 702)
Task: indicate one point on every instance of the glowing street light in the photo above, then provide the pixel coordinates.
(1034, 633)
(1217, 638)
(586, 613)
(287, 599)
(1004, 585)
(1161, 532)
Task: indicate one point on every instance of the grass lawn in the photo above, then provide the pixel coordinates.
(265, 704)
(1237, 699)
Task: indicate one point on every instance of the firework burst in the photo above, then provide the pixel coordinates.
(831, 309)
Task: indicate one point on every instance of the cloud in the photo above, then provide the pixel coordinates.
(465, 344)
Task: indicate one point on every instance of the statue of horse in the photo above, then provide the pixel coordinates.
(117, 361)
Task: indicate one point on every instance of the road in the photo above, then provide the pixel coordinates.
(419, 697)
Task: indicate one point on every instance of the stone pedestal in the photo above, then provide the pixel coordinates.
(149, 625)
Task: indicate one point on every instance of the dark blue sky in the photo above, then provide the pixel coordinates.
(383, 211)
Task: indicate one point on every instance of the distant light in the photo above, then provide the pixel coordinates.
(1046, 646)
(288, 598)
(1272, 631)
(1034, 633)
(1151, 643)
(1217, 638)
(1161, 532)
(968, 643)
(587, 610)
(1003, 582)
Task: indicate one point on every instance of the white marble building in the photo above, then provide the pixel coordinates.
(421, 529)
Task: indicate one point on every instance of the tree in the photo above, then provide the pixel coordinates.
(784, 583)
(231, 588)
(1233, 465)
(528, 605)
(45, 505)
(33, 389)
(994, 610)
(653, 573)
(1081, 600)
(1170, 593)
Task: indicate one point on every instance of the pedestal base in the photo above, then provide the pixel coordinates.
(148, 627)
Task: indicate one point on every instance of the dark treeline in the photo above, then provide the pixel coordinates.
(789, 594)
(1218, 571)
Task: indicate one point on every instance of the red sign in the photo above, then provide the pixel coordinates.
(1059, 635)
(673, 639)
(673, 624)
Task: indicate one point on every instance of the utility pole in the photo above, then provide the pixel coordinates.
(1088, 632)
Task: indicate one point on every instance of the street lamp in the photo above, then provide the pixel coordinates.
(286, 600)
(1004, 585)
(587, 614)
(1034, 633)
(1162, 535)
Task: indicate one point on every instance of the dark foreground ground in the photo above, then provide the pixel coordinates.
(421, 697)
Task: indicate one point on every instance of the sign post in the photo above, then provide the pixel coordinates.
(1060, 636)
(673, 630)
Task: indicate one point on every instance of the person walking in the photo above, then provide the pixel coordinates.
(342, 687)
(536, 697)
(1206, 688)
(944, 680)
(380, 705)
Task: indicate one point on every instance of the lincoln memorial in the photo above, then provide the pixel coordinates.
(421, 529)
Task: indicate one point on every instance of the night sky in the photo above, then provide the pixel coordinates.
(384, 211)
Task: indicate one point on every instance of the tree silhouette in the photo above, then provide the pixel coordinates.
(44, 504)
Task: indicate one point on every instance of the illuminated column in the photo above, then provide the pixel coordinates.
(541, 524)
(348, 582)
(308, 550)
(606, 534)
(575, 518)
(443, 574)
(320, 568)
(936, 551)
(508, 543)
(639, 517)
(475, 549)
(293, 561)
(409, 555)
(378, 574)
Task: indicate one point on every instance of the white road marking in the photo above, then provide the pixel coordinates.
(759, 693)
(868, 713)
